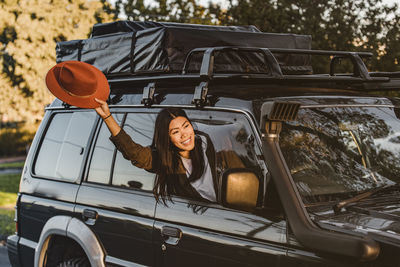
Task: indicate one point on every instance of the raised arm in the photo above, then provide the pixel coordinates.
(105, 114)
(139, 156)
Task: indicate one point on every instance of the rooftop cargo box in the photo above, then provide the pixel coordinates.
(129, 47)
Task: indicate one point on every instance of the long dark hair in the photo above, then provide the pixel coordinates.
(167, 179)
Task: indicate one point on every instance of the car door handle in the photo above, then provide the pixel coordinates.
(89, 216)
(171, 235)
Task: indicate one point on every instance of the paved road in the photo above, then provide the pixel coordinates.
(4, 262)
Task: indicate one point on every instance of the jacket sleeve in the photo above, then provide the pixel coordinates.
(140, 156)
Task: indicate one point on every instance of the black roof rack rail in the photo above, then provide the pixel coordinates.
(361, 79)
(359, 68)
(395, 74)
(207, 71)
(207, 65)
(318, 52)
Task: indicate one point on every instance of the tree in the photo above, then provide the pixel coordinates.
(183, 11)
(334, 25)
(359, 25)
(29, 30)
(381, 32)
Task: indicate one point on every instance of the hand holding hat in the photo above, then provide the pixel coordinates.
(103, 109)
(78, 84)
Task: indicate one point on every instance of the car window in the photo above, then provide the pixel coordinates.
(232, 138)
(62, 149)
(140, 127)
(336, 152)
(108, 166)
(234, 142)
(103, 153)
(230, 134)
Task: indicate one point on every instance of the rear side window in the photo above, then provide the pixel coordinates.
(122, 173)
(104, 150)
(140, 127)
(61, 152)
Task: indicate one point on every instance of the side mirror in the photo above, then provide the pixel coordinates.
(240, 189)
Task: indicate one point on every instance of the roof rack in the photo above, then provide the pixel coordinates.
(207, 65)
(360, 79)
(206, 71)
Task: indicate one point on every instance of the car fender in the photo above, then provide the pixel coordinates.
(74, 229)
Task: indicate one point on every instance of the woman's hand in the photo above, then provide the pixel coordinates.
(103, 110)
(105, 114)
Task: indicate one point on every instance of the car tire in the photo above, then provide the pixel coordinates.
(76, 262)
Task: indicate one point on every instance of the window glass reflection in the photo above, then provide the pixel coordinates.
(335, 152)
(232, 138)
(230, 135)
(100, 165)
(62, 149)
(140, 127)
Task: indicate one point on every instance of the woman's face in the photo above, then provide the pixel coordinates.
(181, 134)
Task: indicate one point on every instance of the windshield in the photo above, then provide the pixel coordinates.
(336, 152)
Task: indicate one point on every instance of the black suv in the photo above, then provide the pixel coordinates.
(321, 155)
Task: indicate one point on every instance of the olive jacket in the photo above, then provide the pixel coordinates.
(146, 158)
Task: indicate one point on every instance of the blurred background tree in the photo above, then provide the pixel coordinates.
(356, 25)
(182, 11)
(29, 30)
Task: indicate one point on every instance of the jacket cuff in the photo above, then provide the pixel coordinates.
(118, 139)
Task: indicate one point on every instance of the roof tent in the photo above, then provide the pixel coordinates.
(130, 47)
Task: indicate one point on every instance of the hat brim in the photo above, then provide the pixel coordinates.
(102, 91)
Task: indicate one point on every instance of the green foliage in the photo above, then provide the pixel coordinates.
(29, 31)
(350, 25)
(18, 164)
(7, 200)
(7, 224)
(9, 183)
(183, 11)
(9, 186)
(14, 141)
(8, 34)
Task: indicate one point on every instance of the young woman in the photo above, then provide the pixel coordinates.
(184, 162)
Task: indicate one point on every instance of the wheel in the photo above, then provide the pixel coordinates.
(76, 262)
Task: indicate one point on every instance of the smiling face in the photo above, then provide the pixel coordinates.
(181, 134)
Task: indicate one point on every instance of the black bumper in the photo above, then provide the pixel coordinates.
(12, 247)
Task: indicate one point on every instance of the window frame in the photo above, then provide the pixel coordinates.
(48, 121)
(95, 137)
(125, 112)
(128, 109)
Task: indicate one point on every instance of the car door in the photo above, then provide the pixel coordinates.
(116, 199)
(52, 174)
(198, 234)
(189, 233)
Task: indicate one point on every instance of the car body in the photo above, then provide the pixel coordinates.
(312, 141)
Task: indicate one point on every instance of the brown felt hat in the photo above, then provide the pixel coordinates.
(78, 84)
